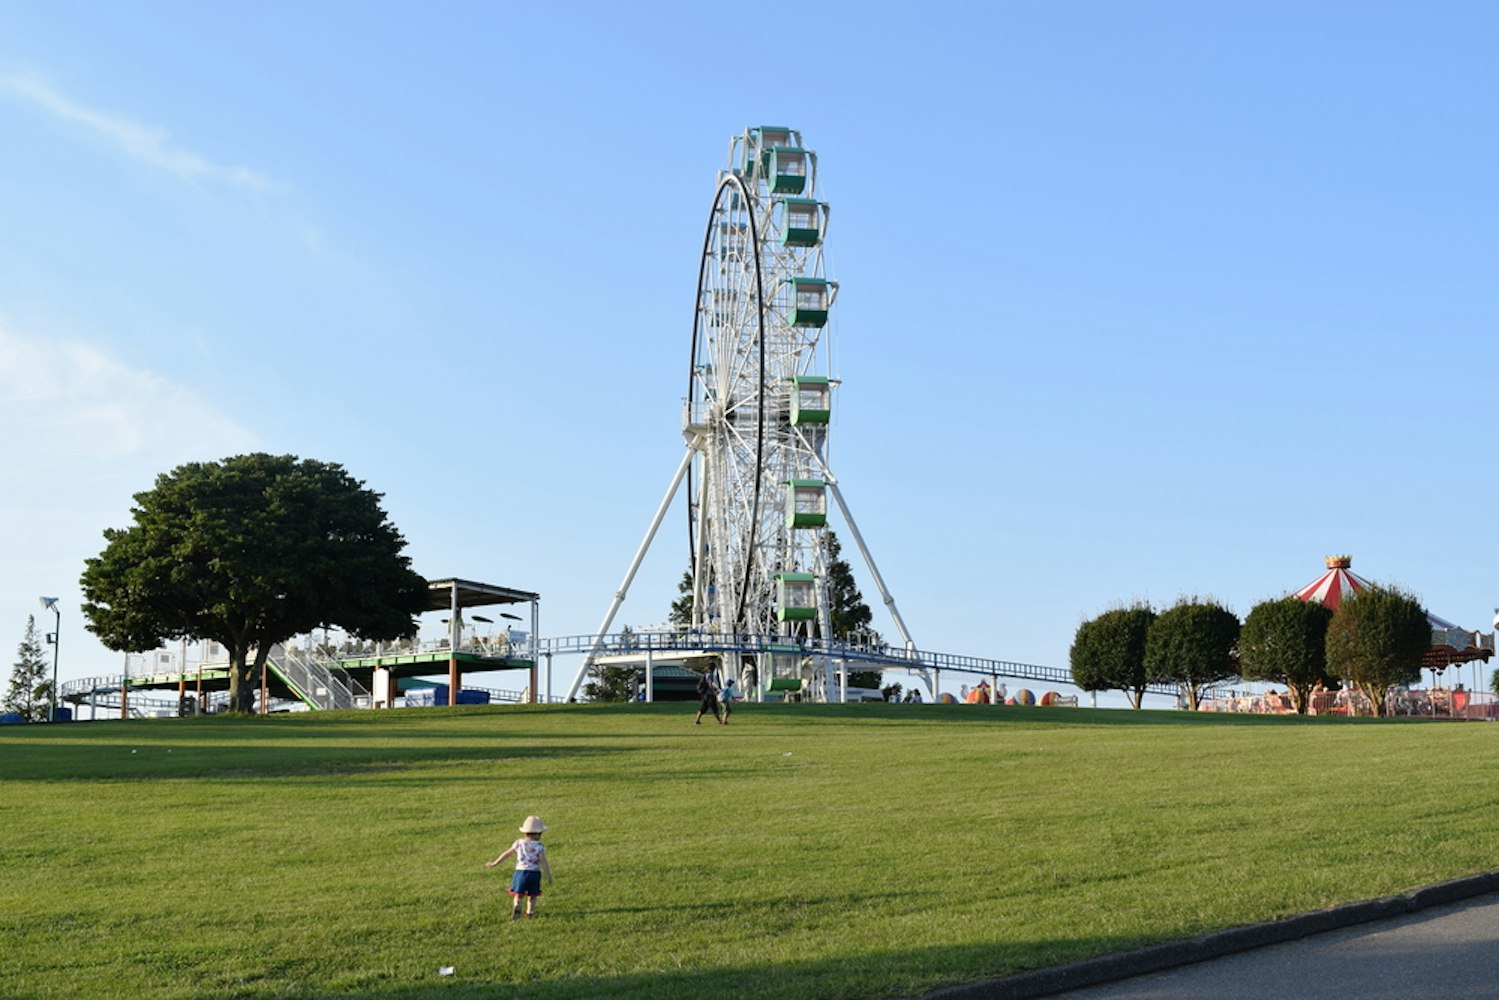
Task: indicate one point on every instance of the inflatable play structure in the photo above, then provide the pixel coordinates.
(983, 694)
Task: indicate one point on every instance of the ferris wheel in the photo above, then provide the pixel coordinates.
(757, 409)
(759, 394)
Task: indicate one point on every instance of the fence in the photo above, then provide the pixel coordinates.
(1433, 703)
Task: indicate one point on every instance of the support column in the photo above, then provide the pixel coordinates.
(455, 635)
(532, 689)
(383, 684)
(650, 676)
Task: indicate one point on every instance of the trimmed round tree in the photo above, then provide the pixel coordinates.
(248, 552)
(1285, 642)
(1376, 639)
(1193, 644)
(1108, 652)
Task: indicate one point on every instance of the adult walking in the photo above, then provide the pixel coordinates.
(708, 687)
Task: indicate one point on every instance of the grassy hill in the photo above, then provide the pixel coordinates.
(804, 851)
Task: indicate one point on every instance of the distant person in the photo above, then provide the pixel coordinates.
(708, 686)
(530, 864)
(726, 700)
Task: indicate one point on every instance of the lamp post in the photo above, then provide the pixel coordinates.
(50, 604)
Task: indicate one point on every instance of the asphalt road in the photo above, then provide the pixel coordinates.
(1441, 953)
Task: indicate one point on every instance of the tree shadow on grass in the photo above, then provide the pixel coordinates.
(740, 906)
(893, 973)
(993, 971)
(159, 762)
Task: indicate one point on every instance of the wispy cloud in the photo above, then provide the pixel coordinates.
(152, 146)
(73, 405)
(80, 432)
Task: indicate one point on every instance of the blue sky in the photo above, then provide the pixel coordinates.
(1137, 300)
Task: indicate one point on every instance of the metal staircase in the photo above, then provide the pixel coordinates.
(312, 676)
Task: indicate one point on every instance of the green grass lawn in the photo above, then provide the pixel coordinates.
(804, 851)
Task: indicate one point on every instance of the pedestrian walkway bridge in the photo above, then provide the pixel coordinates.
(301, 673)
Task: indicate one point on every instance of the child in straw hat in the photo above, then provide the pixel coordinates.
(530, 864)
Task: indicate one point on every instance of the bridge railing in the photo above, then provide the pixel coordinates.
(863, 652)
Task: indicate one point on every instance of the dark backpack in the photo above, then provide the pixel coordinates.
(702, 684)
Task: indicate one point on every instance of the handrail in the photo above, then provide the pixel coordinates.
(861, 652)
(314, 680)
(317, 669)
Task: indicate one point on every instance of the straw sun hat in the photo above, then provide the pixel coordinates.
(533, 824)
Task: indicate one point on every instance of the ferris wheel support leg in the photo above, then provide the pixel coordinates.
(874, 571)
(624, 587)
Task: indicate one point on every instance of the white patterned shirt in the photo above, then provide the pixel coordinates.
(528, 854)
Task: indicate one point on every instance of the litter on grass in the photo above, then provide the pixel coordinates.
(446, 970)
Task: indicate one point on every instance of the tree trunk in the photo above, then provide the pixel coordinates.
(244, 681)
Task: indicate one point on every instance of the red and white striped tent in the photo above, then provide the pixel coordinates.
(1337, 583)
(1449, 644)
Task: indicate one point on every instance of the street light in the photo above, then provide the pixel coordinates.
(50, 604)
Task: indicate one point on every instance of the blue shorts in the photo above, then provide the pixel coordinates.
(526, 883)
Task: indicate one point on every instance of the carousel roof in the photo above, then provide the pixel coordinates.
(1449, 643)
(1331, 587)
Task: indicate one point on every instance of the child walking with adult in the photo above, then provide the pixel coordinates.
(530, 864)
(726, 700)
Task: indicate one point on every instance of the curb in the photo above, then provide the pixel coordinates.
(1158, 957)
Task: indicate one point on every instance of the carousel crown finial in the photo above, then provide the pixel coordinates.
(1339, 562)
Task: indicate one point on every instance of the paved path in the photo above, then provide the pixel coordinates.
(1442, 953)
(1433, 943)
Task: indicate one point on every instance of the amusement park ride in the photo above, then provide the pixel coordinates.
(756, 425)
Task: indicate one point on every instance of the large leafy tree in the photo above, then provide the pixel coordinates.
(250, 551)
(30, 692)
(1376, 639)
(1285, 641)
(1193, 644)
(1108, 652)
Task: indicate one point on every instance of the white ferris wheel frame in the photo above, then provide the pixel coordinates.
(742, 448)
